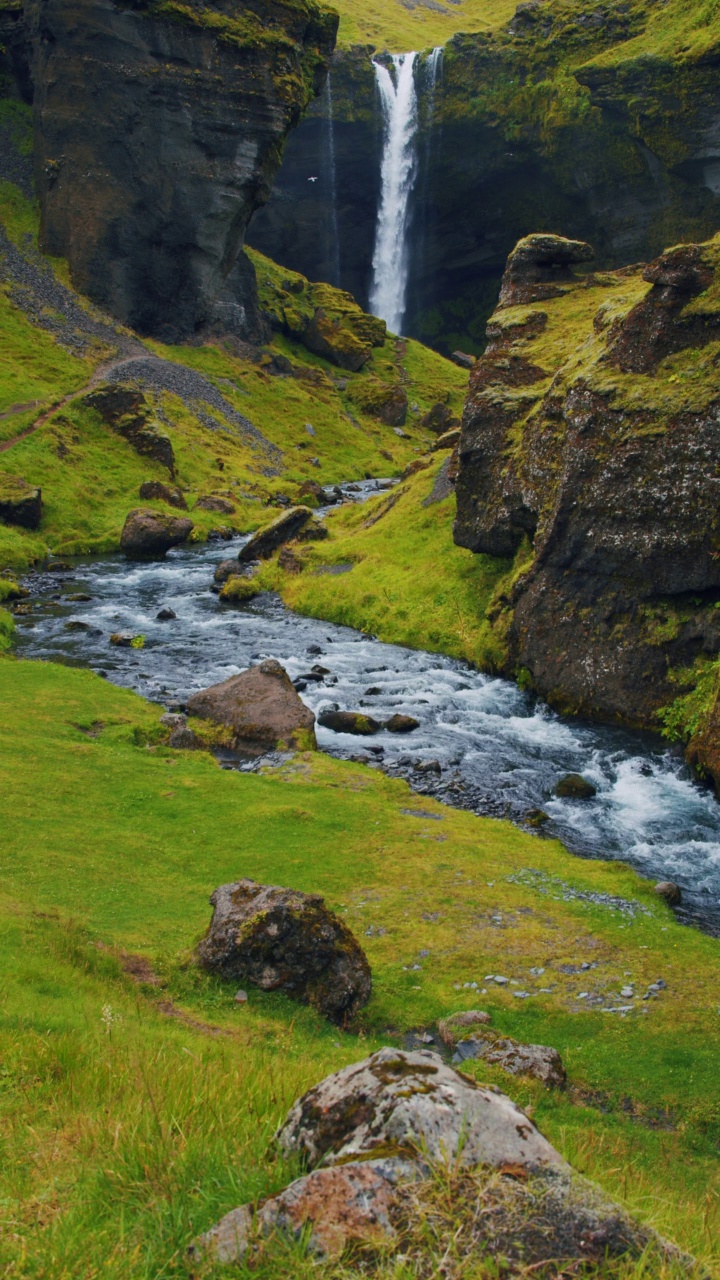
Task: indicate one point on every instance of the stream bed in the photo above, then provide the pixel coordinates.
(482, 744)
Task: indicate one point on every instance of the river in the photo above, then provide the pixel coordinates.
(482, 743)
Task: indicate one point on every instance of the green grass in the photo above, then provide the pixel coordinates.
(388, 24)
(119, 1142)
(409, 583)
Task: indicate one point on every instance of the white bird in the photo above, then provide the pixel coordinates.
(312, 179)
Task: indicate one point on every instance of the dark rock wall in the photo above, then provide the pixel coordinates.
(626, 156)
(157, 136)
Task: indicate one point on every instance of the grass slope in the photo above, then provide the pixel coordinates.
(90, 476)
(400, 27)
(124, 1131)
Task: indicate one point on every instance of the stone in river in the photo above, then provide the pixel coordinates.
(572, 786)
(280, 530)
(260, 707)
(349, 722)
(401, 724)
(166, 615)
(669, 892)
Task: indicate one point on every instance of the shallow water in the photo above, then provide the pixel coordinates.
(499, 751)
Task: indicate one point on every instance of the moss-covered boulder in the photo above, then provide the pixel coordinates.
(126, 411)
(20, 502)
(280, 530)
(237, 589)
(387, 403)
(283, 940)
(355, 722)
(148, 534)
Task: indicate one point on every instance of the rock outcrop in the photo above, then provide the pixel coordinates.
(156, 491)
(158, 129)
(20, 502)
(283, 940)
(260, 707)
(589, 451)
(149, 534)
(511, 1195)
(128, 413)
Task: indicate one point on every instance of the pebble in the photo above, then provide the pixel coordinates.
(626, 991)
(241, 997)
(522, 995)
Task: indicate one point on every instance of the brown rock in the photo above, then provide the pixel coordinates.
(418, 464)
(156, 491)
(149, 534)
(289, 561)
(401, 724)
(226, 569)
(282, 529)
(283, 940)
(213, 502)
(313, 531)
(447, 441)
(537, 1060)
(439, 419)
(462, 359)
(669, 892)
(260, 706)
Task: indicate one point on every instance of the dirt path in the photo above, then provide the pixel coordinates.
(102, 371)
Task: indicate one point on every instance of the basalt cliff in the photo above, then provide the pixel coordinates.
(159, 127)
(590, 453)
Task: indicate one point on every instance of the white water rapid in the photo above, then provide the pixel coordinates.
(397, 176)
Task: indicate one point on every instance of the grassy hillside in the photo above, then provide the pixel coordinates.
(248, 424)
(132, 1115)
(400, 27)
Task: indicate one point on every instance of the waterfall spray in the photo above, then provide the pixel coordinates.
(397, 176)
(334, 234)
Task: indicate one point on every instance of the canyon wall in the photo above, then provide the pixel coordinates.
(573, 119)
(159, 128)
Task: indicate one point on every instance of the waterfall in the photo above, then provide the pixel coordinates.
(333, 256)
(397, 176)
(433, 71)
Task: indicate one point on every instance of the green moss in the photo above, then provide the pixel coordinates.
(239, 589)
(7, 630)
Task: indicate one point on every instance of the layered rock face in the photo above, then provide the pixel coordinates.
(159, 129)
(590, 451)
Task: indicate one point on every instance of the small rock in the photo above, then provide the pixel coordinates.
(239, 588)
(173, 720)
(215, 502)
(78, 597)
(157, 491)
(240, 997)
(463, 359)
(122, 639)
(166, 615)
(572, 786)
(20, 502)
(536, 818)
(226, 569)
(401, 724)
(626, 992)
(669, 892)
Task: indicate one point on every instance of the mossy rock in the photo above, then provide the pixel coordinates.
(238, 589)
(20, 502)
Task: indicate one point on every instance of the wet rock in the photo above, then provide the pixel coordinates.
(280, 530)
(20, 502)
(310, 489)
(215, 502)
(226, 569)
(572, 786)
(127, 412)
(239, 588)
(260, 706)
(282, 940)
(540, 1061)
(457, 1025)
(166, 615)
(401, 724)
(669, 892)
(536, 818)
(122, 639)
(538, 267)
(156, 491)
(411, 1102)
(427, 766)
(349, 722)
(149, 534)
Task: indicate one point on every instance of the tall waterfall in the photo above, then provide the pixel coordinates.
(397, 176)
(333, 255)
(433, 70)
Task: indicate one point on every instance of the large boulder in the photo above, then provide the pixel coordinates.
(261, 707)
(411, 1102)
(147, 534)
(282, 940)
(539, 266)
(20, 502)
(377, 1130)
(280, 530)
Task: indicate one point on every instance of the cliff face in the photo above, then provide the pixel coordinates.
(159, 128)
(590, 451)
(598, 122)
